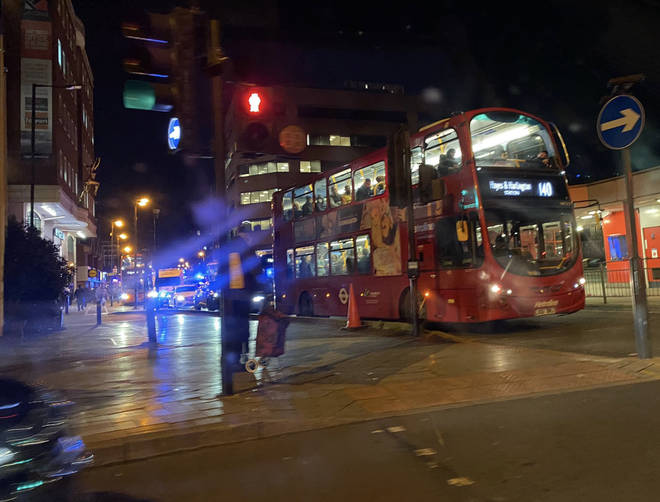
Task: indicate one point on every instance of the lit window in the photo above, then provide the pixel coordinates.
(257, 197)
(369, 181)
(310, 166)
(263, 168)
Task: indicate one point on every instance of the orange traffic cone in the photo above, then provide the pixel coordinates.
(353, 321)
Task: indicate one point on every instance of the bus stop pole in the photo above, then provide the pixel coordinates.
(413, 266)
(637, 280)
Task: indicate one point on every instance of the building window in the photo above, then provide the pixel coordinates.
(37, 221)
(257, 197)
(256, 225)
(337, 140)
(263, 168)
(310, 166)
(618, 247)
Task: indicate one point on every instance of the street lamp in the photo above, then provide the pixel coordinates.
(141, 202)
(68, 87)
(115, 245)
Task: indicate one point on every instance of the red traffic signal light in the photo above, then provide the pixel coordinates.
(254, 102)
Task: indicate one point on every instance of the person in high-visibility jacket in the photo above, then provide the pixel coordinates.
(241, 284)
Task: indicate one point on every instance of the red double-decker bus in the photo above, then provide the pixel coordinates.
(498, 239)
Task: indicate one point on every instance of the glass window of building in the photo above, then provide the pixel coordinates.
(305, 262)
(287, 205)
(339, 189)
(310, 166)
(336, 140)
(256, 225)
(263, 168)
(342, 257)
(303, 203)
(443, 152)
(321, 194)
(37, 220)
(322, 259)
(369, 181)
(257, 197)
(363, 249)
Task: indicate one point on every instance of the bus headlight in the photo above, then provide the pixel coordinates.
(495, 288)
(152, 294)
(509, 292)
(124, 296)
(180, 298)
(582, 281)
(257, 299)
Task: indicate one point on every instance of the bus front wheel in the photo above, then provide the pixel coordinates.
(305, 305)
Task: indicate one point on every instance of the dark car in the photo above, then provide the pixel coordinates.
(38, 451)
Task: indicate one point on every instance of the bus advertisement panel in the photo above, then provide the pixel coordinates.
(498, 240)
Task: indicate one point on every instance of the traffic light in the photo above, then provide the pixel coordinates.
(149, 61)
(255, 117)
(165, 59)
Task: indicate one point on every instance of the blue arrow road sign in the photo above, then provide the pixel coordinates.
(620, 122)
(173, 133)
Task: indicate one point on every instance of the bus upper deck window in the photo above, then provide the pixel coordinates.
(369, 181)
(321, 194)
(287, 205)
(340, 192)
(443, 151)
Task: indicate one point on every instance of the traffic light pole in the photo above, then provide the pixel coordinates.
(637, 279)
(413, 266)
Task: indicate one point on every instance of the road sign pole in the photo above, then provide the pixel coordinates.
(637, 280)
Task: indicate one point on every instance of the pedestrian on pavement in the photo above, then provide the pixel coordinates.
(241, 267)
(79, 295)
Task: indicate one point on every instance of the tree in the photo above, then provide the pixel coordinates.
(34, 270)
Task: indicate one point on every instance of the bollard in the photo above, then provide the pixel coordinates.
(98, 313)
(67, 299)
(602, 282)
(150, 312)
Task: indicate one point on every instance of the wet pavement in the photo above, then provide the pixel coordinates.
(135, 400)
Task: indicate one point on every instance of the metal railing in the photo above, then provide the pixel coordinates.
(612, 279)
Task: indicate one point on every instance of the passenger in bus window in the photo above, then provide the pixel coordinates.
(307, 206)
(363, 263)
(380, 185)
(365, 191)
(297, 210)
(335, 198)
(306, 267)
(346, 197)
(543, 159)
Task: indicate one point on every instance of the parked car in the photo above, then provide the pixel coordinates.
(184, 296)
(38, 449)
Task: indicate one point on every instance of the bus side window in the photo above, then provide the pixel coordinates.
(342, 257)
(322, 260)
(443, 152)
(305, 262)
(302, 201)
(369, 181)
(289, 263)
(287, 205)
(416, 160)
(321, 194)
(340, 192)
(363, 248)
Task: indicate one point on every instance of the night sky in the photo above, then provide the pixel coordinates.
(549, 58)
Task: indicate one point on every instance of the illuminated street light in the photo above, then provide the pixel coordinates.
(181, 260)
(143, 201)
(201, 254)
(118, 223)
(128, 249)
(123, 236)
